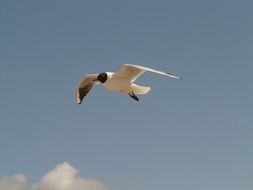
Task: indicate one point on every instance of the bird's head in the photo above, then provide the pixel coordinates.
(102, 77)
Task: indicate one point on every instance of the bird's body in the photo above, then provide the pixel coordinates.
(121, 85)
(121, 81)
(116, 84)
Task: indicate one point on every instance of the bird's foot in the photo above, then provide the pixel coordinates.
(132, 95)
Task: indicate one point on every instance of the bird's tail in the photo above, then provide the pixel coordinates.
(140, 89)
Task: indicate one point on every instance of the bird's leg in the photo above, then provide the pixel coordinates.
(132, 95)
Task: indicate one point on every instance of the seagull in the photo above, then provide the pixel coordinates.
(121, 81)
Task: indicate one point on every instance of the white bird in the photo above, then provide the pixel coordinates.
(121, 81)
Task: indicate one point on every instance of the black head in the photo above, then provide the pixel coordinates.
(102, 77)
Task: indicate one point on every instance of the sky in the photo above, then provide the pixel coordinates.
(194, 134)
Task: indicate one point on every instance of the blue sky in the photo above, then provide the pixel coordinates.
(194, 133)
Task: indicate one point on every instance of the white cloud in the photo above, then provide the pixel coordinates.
(16, 182)
(62, 177)
(65, 177)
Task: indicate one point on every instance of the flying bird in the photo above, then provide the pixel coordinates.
(121, 81)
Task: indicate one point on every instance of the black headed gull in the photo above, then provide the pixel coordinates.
(121, 81)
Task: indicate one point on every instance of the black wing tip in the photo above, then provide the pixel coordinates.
(79, 101)
(174, 76)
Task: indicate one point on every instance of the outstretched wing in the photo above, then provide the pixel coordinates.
(84, 86)
(132, 72)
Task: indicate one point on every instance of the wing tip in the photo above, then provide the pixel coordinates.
(173, 76)
(78, 100)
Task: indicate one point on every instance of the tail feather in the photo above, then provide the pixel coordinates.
(140, 89)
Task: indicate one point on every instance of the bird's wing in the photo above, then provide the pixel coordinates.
(84, 86)
(132, 72)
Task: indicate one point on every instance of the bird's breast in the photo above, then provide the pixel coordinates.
(118, 85)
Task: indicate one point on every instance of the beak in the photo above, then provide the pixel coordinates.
(95, 80)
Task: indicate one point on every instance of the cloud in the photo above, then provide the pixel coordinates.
(62, 177)
(65, 177)
(16, 182)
